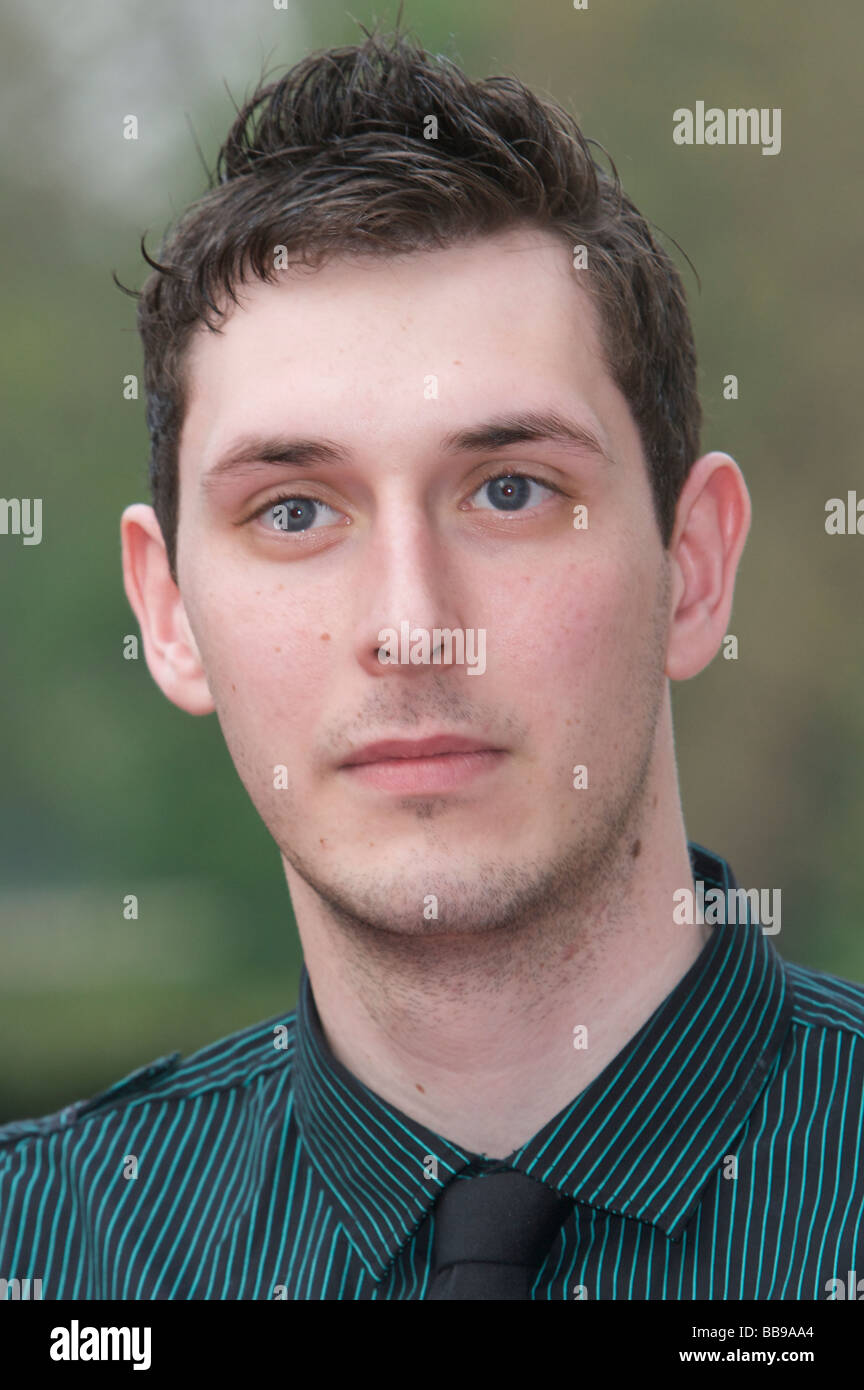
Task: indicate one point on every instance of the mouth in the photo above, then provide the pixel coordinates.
(440, 763)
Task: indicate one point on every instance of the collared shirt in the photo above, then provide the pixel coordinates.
(719, 1155)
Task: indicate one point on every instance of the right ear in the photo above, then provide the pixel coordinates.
(169, 646)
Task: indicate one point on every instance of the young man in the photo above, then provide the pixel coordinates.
(431, 535)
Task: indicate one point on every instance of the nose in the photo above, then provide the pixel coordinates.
(408, 586)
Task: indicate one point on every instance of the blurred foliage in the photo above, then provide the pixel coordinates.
(109, 789)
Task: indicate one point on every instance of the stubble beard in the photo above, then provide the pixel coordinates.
(496, 920)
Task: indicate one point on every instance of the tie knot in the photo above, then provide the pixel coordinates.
(499, 1227)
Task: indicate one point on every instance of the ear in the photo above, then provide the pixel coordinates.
(711, 525)
(169, 647)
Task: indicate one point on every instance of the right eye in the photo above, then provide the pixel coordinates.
(290, 515)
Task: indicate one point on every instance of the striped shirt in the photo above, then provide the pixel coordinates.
(717, 1156)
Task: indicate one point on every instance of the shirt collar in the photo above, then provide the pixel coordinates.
(640, 1140)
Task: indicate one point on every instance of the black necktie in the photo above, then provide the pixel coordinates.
(492, 1234)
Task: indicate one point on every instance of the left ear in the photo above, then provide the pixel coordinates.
(711, 525)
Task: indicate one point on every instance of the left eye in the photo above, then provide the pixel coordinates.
(510, 492)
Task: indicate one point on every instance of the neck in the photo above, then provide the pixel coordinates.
(483, 1038)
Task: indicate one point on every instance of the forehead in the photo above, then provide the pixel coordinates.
(393, 350)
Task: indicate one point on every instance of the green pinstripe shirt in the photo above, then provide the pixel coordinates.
(718, 1156)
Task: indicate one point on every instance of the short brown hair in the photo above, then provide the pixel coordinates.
(333, 158)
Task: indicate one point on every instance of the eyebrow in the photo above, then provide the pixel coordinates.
(528, 427)
(498, 433)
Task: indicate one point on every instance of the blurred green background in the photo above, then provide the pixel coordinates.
(108, 789)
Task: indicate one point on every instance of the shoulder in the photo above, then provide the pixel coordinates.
(232, 1063)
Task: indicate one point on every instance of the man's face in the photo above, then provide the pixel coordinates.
(385, 362)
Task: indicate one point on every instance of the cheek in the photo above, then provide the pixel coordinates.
(581, 627)
(261, 655)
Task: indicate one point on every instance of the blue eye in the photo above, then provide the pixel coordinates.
(293, 514)
(509, 492)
